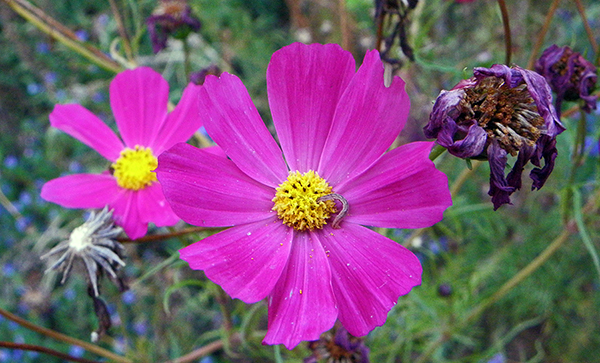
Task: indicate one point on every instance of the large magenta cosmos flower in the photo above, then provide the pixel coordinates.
(334, 126)
(139, 100)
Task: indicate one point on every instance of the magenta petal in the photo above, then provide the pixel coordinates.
(235, 125)
(86, 127)
(302, 305)
(246, 260)
(368, 118)
(305, 83)
(127, 214)
(139, 100)
(180, 124)
(369, 273)
(403, 189)
(82, 190)
(153, 207)
(208, 190)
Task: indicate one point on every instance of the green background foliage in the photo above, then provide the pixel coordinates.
(170, 310)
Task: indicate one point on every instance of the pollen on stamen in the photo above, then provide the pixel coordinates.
(134, 168)
(297, 201)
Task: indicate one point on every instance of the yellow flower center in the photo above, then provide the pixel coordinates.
(133, 169)
(296, 201)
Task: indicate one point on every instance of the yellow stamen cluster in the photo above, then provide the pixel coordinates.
(133, 169)
(296, 201)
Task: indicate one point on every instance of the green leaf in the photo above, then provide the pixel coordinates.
(585, 237)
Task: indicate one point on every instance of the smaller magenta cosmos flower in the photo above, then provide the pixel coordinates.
(499, 111)
(570, 76)
(139, 100)
(289, 242)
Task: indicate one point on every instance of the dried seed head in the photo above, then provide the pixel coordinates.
(94, 243)
(509, 115)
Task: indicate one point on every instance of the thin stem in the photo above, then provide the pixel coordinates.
(65, 338)
(436, 152)
(122, 30)
(37, 348)
(570, 228)
(344, 29)
(6, 203)
(542, 34)
(507, 36)
(186, 60)
(587, 27)
(221, 299)
(203, 351)
(379, 40)
(579, 148)
(62, 34)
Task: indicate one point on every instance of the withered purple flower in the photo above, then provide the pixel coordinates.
(570, 76)
(172, 18)
(339, 348)
(499, 111)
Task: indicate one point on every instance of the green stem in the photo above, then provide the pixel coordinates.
(63, 35)
(65, 338)
(579, 148)
(186, 60)
(592, 205)
(436, 151)
(122, 31)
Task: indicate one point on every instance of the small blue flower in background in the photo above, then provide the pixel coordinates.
(498, 358)
(42, 48)
(75, 167)
(128, 297)
(25, 198)
(50, 77)
(11, 161)
(82, 35)
(34, 88)
(76, 351)
(21, 224)
(8, 269)
(70, 294)
(98, 97)
(140, 327)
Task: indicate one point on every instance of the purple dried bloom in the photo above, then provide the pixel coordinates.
(338, 348)
(171, 18)
(570, 76)
(499, 111)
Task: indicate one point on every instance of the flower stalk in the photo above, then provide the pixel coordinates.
(65, 338)
(507, 36)
(62, 34)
